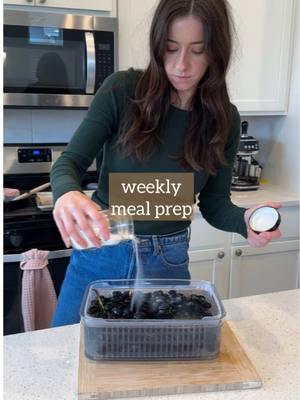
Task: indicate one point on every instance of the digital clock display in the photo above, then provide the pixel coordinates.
(104, 46)
(29, 155)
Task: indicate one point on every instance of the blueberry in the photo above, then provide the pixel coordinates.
(116, 310)
(149, 305)
(139, 315)
(127, 313)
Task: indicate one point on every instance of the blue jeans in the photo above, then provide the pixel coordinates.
(164, 256)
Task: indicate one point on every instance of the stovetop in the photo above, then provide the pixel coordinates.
(26, 182)
(26, 208)
(26, 213)
(28, 227)
(25, 225)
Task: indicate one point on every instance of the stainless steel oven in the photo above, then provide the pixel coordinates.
(56, 60)
(27, 226)
(12, 285)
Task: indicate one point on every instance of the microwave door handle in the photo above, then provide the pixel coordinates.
(13, 258)
(90, 62)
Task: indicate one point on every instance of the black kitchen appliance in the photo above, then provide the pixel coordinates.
(26, 226)
(246, 169)
(67, 58)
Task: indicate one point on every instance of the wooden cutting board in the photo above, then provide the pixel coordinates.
(118, 379)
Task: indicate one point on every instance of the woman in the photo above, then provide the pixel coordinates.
(173, 117)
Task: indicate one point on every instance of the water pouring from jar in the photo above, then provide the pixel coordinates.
(88, 226)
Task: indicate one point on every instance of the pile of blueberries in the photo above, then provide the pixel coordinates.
(149, 305)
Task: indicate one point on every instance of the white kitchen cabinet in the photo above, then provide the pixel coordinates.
(205, 236)
(210, 265)
(237, 269)
(259, 75)
(98, 5)
(268, 269)
(263, 270)
(19, 2)
(208, 258)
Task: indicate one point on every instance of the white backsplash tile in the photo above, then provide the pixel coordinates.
(55, 126)
(17, 126)
(40, 126)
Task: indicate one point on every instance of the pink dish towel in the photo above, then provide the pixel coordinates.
(38, 293)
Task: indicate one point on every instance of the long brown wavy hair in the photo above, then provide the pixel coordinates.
(211, 115)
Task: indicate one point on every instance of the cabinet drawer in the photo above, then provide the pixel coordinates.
(289, 225)
(204, 235)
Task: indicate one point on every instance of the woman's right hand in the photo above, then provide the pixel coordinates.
(75, 211)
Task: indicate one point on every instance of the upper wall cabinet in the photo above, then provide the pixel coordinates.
(98, 5)
(18, 2)
(259, 75)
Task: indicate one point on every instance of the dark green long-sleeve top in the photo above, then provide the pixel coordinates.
(100, 128)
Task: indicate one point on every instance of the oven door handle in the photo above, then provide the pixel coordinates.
(90, 62)
(13, 258)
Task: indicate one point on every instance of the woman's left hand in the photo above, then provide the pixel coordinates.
(263, 238)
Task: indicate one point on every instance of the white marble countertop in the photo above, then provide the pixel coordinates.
(265, 193)
(44, 364)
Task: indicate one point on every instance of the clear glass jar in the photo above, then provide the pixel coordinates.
(121, 228)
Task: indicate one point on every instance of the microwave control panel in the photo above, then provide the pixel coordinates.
(104, 56)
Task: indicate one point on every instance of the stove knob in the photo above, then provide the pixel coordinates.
(16, 239)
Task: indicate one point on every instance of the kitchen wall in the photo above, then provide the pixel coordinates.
(279, 136)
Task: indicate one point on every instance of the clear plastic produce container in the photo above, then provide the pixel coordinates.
(153, 339)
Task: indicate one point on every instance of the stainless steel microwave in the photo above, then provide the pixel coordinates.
(56, 60)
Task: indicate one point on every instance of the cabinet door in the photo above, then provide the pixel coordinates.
(262, 270)
(20, 2)
(99, 5)
(204, 236)
(260, 73)
(212, 266)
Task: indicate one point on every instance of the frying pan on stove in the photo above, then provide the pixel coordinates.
(14, 203)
